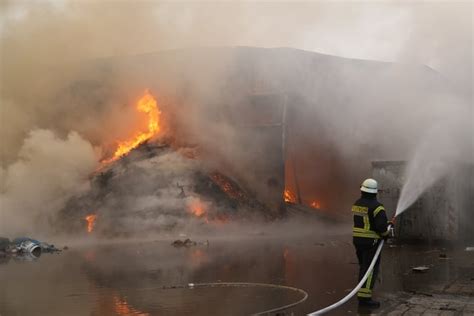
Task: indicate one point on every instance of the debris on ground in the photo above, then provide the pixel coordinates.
(186, 243)
(469, 248)
(45, 247)
(420, 269)
(4, 243)
(25, 247)
(442, 256)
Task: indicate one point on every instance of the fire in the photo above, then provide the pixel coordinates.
(148, 105)
(90, 222)
(289, 196)
(197, 208)
(315, 204)
(200, 209)
(225, 184)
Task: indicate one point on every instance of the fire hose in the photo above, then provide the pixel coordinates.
(266, 285)
(359, 285)
(242, 284)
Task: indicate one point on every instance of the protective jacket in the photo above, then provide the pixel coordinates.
(370, 220)
(370, 224)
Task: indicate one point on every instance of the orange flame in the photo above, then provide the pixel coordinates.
(200, 209)
(197, 208)
(315, 204)
(90, 222)
(147, 104)
(289, 196)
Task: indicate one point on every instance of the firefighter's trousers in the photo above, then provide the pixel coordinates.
(365, 254)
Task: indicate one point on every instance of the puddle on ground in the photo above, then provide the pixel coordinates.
(127, 279)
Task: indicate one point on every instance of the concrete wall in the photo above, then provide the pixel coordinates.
(440, 214)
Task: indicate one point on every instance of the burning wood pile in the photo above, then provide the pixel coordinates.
(150, 185)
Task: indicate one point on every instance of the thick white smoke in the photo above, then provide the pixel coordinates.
(48, 171)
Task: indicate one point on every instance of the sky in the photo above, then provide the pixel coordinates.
(434, 33)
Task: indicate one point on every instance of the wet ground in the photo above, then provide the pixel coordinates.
(127, 278)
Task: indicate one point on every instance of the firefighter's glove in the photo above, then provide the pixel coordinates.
(391, 222)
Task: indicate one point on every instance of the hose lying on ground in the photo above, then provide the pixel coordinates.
(241, 284)
(245, 284)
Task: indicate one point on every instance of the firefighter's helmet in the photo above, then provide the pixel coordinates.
(369, 186)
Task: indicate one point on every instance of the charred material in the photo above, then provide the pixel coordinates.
(155, 188)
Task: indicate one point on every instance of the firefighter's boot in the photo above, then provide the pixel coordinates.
(369, 303)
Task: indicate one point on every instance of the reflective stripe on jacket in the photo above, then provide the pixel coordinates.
(370, 220)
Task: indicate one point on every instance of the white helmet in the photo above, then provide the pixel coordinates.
(369, 186)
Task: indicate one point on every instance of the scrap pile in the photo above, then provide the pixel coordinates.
(25, 248)
(155, 188)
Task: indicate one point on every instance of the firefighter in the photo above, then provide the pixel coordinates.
(370, 226)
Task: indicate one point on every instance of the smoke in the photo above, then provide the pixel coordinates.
(445, 146)
(77, 66)
(146, 196)
(49, 170)
(38, 40)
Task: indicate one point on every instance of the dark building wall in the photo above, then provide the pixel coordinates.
(258, 146)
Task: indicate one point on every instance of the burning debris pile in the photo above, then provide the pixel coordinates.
(149, 185)
(148, 105)
(155, 188)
